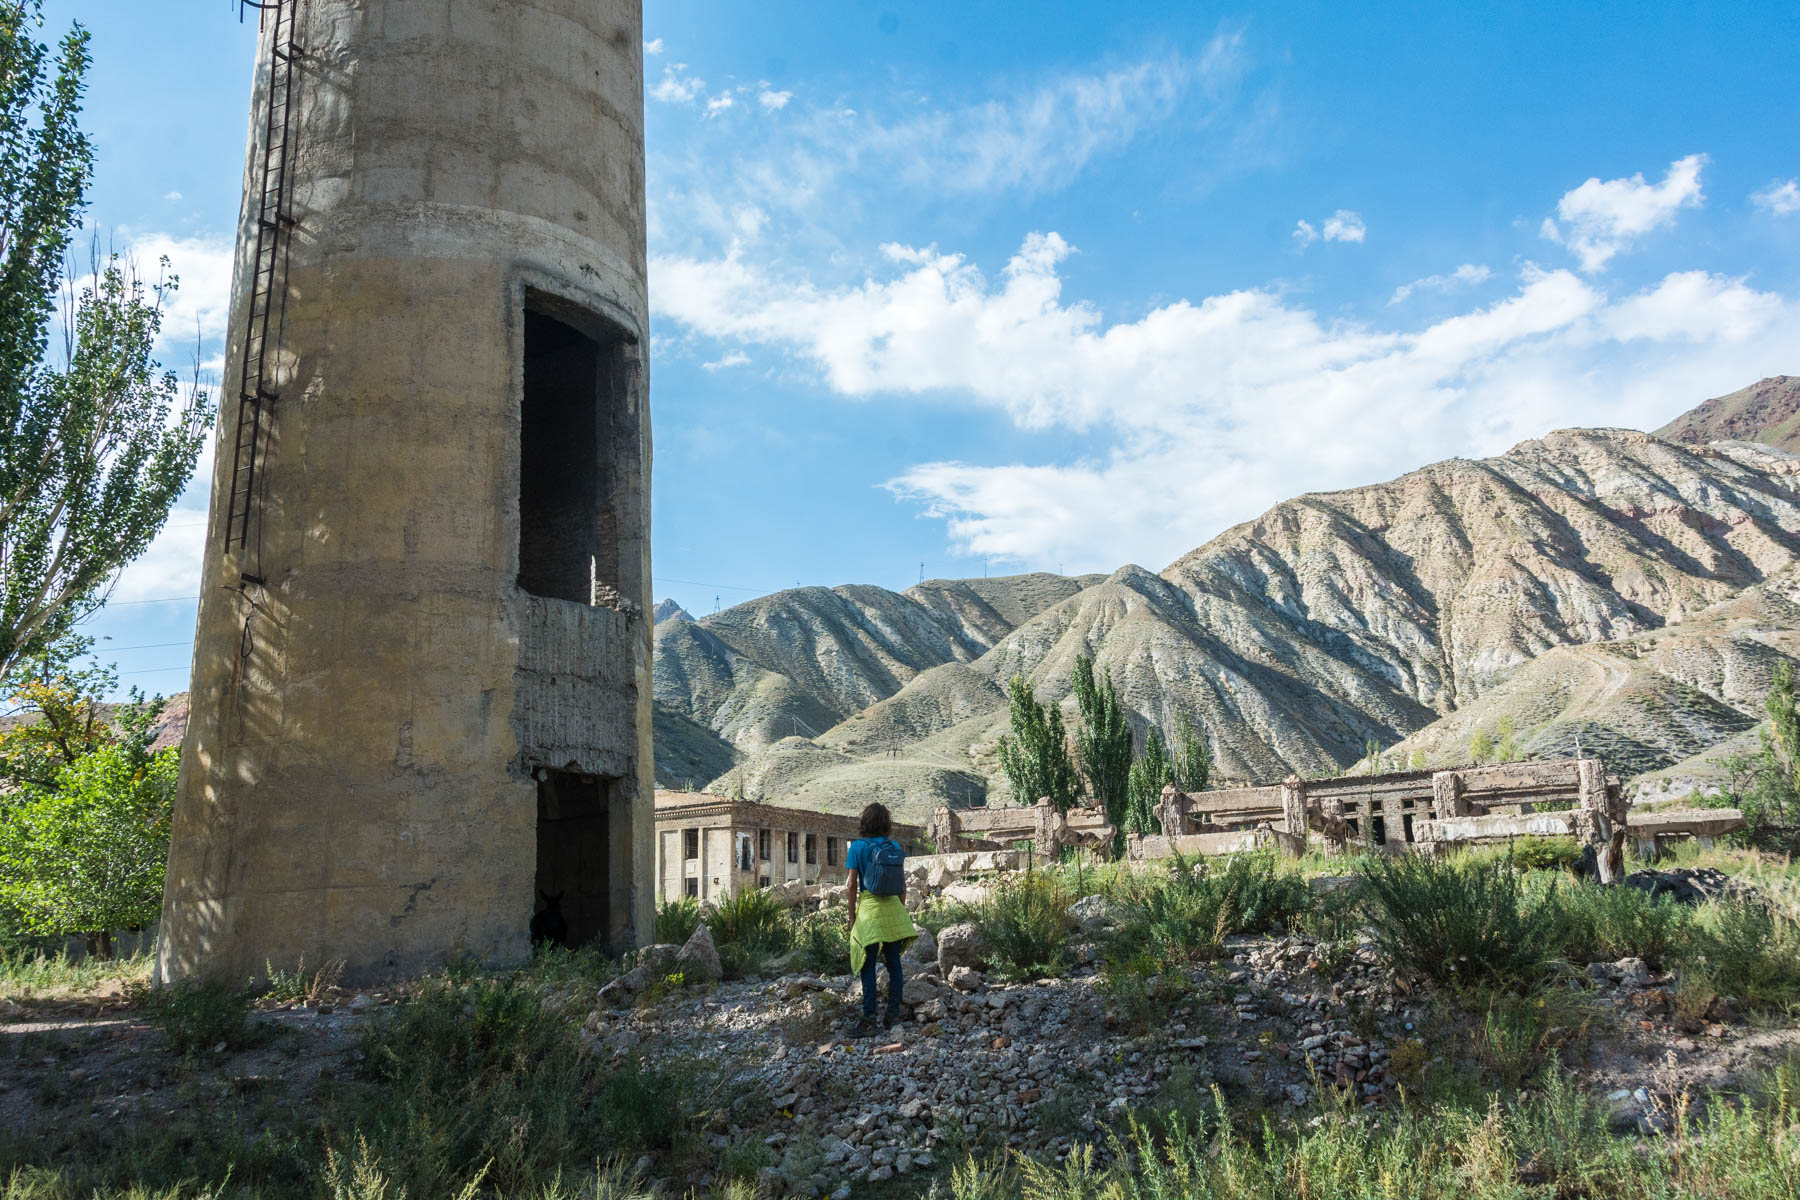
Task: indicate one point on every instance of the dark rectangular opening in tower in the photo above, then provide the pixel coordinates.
(573, 858)
(577, 371)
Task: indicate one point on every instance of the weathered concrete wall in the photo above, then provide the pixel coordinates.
(358, 776)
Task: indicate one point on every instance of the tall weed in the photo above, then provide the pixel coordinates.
(1456, 921)
(1026, 923)
(1189, 914)
(752, 921)
(1751, 952)
(1608, 923)
(677, 920)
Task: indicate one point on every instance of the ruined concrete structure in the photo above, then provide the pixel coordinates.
(421, 685)
(712, 847)
(1426, 810)
(1358, 814)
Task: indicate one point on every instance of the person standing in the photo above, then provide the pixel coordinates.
(879, 923)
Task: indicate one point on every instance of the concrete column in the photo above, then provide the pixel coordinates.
(1172, 811)
(1332, 810)
(1601, 820)
(1447, 799)
(1293, 816)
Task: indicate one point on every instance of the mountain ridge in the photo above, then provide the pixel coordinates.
(1329, 621)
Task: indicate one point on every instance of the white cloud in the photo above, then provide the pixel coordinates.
(1201, 413)
(1344, 226)
(1468, 274)
(826, 166)
(731, 358)
(719, 104)
(654, 46)
(173, 197)
(1341, 226)
(202, 305)
(677, 86)
(1781, 198)
(1600, 219)
(171, 566)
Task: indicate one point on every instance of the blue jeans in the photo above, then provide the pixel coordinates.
(890, 954)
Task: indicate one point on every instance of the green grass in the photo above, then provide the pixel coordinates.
(1556, 1144)
(28, 975)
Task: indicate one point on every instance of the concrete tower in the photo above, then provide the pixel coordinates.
(422, 672)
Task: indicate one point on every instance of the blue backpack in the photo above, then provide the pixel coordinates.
(885, 874)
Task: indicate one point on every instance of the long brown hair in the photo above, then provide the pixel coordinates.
(876, 823)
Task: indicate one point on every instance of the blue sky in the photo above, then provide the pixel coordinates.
(934, 285)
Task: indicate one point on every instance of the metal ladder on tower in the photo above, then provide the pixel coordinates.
(268, 290)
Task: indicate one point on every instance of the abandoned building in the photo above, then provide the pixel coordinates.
(422, 667)
(712, 847)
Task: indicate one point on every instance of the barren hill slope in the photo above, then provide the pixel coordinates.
(1767, 411)
(1339, 618)
(1643, 702)
(799, 661)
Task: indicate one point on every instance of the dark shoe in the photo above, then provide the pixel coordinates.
(892, 1020)
(865, 1027)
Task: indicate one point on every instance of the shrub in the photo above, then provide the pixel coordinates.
(677, 920)
(752, 921)
(1750, 952)
(1516, 1034)
(1598, 924)
(1141, 989)
(822, 943)
(301, 986)
(1190, 914)
(1545, 853)
(199, 1015)
(1261, 895)
(1026, 924)
(1458, 922)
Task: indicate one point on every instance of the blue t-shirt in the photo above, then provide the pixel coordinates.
(860, 855)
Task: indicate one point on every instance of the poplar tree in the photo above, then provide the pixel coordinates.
(1035, 754)
(1104, 745)
(97, 445)
(1193, 760)
(1153, 770)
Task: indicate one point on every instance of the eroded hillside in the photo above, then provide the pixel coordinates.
(1330, 621)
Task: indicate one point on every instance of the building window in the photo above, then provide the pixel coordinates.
(762, 845)
(693, 886)
(743, 844)
(831, 852)
(812, 849)
(690, 844)
(793, 847)
(763, 882)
